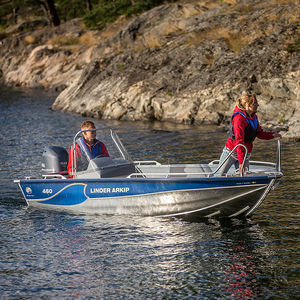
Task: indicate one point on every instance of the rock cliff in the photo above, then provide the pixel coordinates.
(184, 62)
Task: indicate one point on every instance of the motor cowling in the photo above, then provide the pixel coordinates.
(55, 160)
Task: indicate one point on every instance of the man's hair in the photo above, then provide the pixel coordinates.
(87, 125)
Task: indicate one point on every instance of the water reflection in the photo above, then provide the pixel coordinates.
(107, 254)
(110, 256)
(241, 276)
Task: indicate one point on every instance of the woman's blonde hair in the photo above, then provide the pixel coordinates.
(247, 98)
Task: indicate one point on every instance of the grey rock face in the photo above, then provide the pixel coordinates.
(186, 62)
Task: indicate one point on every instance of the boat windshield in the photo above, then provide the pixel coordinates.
(109, 138)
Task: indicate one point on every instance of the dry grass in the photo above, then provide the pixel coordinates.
(29, 39)
(110, 30)
(209, 59)
(63, 40)
(156, 37)
(88, 39)
(232, 2)
(235, 41)
(273, 18)
(247, 8)
(279, 2)
(191, 9)
(149, 40)
(264, 25)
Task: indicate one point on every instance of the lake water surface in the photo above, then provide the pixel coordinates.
(57, 255)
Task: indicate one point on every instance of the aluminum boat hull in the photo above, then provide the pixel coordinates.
(203, 197)
(117, 185)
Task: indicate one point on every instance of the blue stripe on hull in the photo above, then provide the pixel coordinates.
(76, 192)
(72, 192)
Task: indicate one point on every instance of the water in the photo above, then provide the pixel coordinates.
(55, 255)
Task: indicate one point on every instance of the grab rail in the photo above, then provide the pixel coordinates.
(147, 162)
(277, 164)
(74, 163)
(48, 176)
(278, 156)
(244, 160)
(208, 174)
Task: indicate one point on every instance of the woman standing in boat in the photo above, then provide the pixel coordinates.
(244, 128)
(87, 148)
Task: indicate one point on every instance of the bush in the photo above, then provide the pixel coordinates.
(108, 11)
(3, 35)
(294, 47)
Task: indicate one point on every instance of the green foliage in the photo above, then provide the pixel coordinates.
(282, 119)
(103, 11)
(295, 46)
(12, 10)
(68, 10)
(3, 35)
(141, 6)
(108, 11)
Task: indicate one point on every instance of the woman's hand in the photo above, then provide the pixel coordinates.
(276, 135)
(241, 171)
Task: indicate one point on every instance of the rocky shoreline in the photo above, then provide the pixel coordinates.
(185, 62)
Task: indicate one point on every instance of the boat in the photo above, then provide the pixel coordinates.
(118, 185)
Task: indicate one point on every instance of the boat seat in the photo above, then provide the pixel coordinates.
(195, 168)
(175, 170)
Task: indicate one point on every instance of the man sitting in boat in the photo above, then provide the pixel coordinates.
(87, 148)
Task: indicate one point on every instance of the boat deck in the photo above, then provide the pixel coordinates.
(154, 169)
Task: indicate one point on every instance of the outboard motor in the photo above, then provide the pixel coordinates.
(55, 160)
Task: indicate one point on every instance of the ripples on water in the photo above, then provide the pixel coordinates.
(57, 255)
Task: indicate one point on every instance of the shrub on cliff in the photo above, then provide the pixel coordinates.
(108, 11)
(95, 13)
(295, 46)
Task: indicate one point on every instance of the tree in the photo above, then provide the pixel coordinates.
(89, 6)
(50, 11)
(9, 11)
